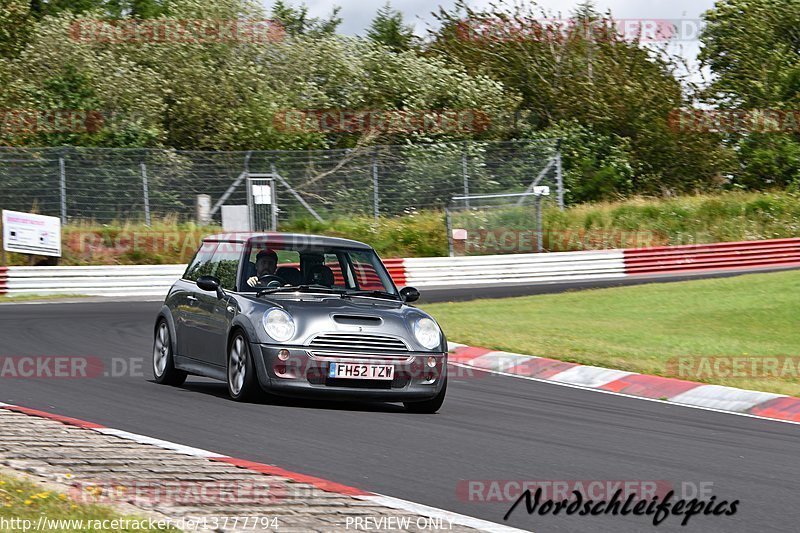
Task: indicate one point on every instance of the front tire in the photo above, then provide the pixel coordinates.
(242, 380)
(428, 407)
(163, 364)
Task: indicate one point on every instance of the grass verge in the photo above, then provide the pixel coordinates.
(43, 297)
(648, 328)
(22, 501)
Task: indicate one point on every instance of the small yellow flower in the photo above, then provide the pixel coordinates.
(69, 476)
(19, 491)
(28, 502)
(62, 497)
(73, 507)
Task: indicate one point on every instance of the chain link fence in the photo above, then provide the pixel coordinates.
(104, 185)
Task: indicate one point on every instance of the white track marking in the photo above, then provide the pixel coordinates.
(613, 393)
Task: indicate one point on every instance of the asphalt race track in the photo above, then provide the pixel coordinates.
(490, 428)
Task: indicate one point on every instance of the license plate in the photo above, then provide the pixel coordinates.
(356, 371)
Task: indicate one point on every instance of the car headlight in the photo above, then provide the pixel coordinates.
(279, 324)
(427, 333)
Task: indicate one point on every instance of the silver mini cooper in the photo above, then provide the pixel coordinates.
(299, 315)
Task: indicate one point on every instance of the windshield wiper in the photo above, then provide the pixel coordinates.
(378, 294)
(303, 288)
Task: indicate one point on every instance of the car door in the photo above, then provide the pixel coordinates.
(211, 315)
(184, 300)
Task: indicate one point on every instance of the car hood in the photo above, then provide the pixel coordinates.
(315, 315)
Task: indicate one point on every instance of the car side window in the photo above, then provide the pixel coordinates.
(225, 264)
(201, 265)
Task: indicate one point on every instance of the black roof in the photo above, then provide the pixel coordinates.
(295, 239)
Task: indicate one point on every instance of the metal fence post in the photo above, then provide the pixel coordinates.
(62, 171)
(559, 176)
(376, 201)
(449, 225)
(146, 195)
(275, 207)
(465, 171)
(539, 229)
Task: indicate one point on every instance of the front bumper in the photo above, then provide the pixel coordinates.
(305, 374)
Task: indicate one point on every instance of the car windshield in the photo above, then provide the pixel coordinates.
(273, 268)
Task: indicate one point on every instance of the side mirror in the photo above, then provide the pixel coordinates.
(210, 284)
(409, 294)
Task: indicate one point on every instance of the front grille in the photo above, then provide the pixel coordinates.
(358, 341)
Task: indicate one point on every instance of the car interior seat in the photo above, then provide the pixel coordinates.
(320, 275)
(290, 275)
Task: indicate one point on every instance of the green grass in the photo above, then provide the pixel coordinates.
(24, 500)
(641, 328)
(44, 297)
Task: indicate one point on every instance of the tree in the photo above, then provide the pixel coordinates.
(753, 49)
(295, 20)
(389, 29)
(16, 25)
(582, 71)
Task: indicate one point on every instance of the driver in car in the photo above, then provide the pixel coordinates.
(266, 265)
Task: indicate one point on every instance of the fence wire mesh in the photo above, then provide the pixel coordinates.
(104, 185)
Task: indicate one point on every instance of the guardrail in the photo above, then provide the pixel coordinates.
(713, 257)
(3, 279)
(135, 280)
(507, 269)
(441, 272)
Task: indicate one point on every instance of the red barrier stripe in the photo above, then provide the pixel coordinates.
(3, 279)
(712, 246)
(322, 484)
(650, 386)
(465, 354)
(780, 408)
(397, 270)
(540, 367)
(713, 257)
(50, 416)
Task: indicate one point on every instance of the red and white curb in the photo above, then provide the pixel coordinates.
(319, 483)
(676, 391)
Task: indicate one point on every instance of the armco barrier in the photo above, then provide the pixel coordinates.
(94, 281)
(505, 269)
(441, 272)
(397, 270)
(713, 257)
(3, 279)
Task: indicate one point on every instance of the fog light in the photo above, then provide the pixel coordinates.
(431, 362)
(283, 355)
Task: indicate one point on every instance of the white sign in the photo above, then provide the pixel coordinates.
(262, 194)
(235, 218)
(27, 233)
(541, 191)
(460, 235)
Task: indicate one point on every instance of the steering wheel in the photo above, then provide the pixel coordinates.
(270, 281)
